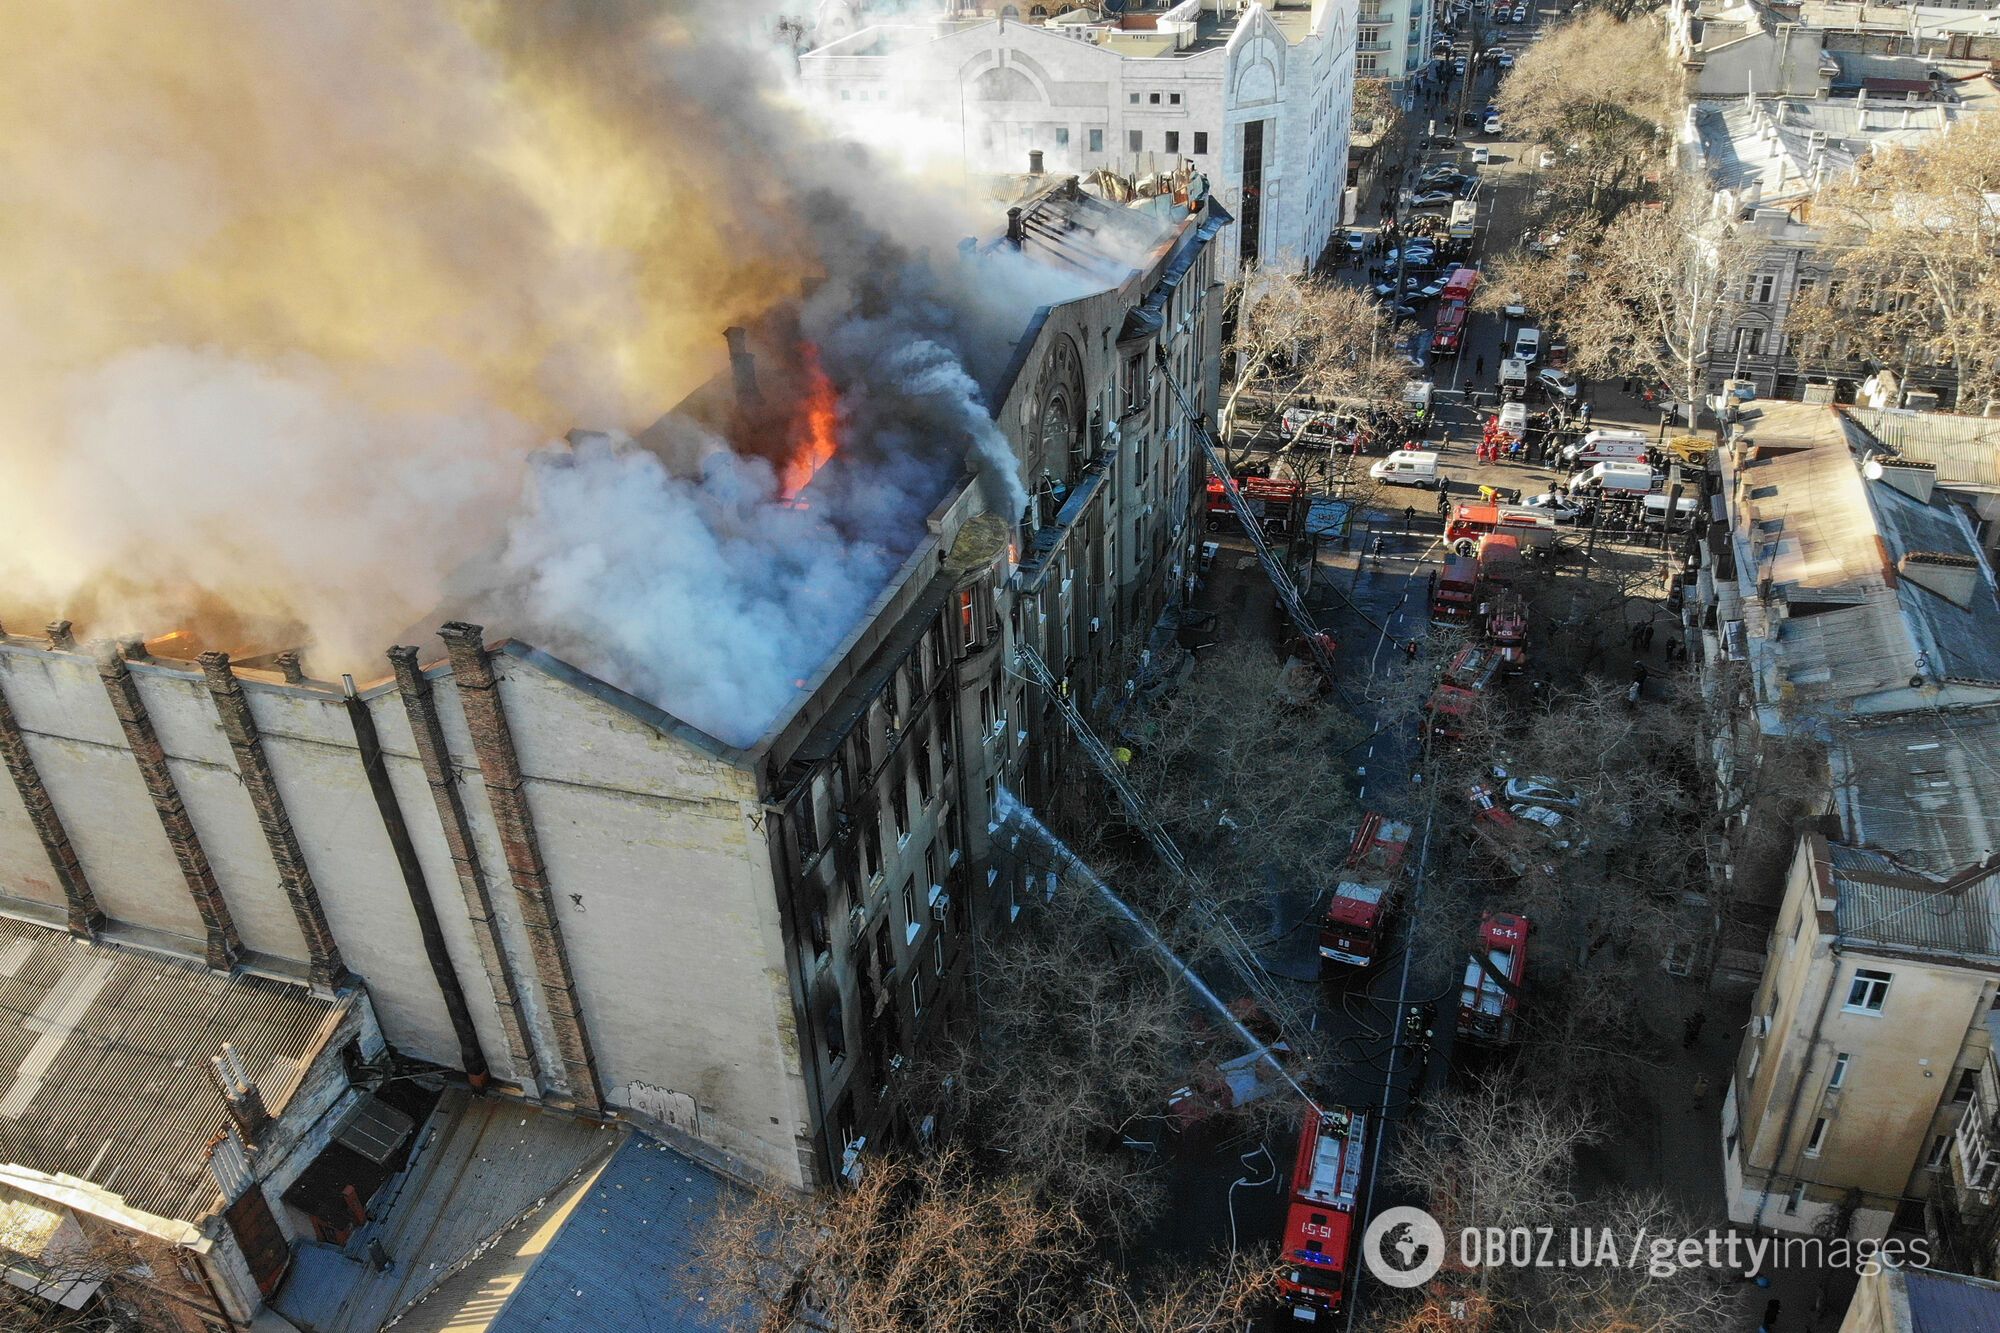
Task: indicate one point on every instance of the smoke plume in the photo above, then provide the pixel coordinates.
(299, 300)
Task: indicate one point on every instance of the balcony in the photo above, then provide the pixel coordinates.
(1374, 46)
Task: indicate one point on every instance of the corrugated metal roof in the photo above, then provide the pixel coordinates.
(1949, 1302)
(619, 1264)
(104, 1062)
(1965, 450)
(1957, 643)
(1923, 785)
(1884, 903)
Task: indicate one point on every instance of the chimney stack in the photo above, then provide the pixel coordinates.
(1034, 161)
(1912, 478)
(288, 664)
(1016, 230)
(242, 1098)
(60, 638)
(743, 367)
(134, 650)
(1952, 577)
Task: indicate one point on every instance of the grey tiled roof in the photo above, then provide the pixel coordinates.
(1950, 1302)
(104, 1062)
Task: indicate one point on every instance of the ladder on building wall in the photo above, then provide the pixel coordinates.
(1274, 568)
(1104, 761)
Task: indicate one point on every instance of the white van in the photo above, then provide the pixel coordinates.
(1527, 344)
(1599, 446)
(1513, 419)
(1624, 477)
(1655, 508)
(1407, 467)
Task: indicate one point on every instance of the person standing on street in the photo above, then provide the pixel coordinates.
(1409, 518)
(1479, 366)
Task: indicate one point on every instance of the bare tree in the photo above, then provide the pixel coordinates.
(930, 1246)
(1913, 234)
(1082, 1034)
(63, 1279)
(1600, 92)
(1302, 337)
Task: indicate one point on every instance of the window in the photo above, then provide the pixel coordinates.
(901, 807)
(836, 1034)
(1968, 1083)
(968, 622)
(992, 805)
(1173, 99)
(1758, 288)
(931, 872)
(937, 954)
(914, 923)
(916, 992)
(1201, 142)
(817, 934)
(864, 758)
(1173, 141)
(889, 699)
(985, 708)
(1097, 141)
(1153, 98)
(1062, 136)
(1934, 1158)
(1750, 342)
(1796, 1197)
(1133, 98)
(1805, 287)
(1818, 1139)
(1838, 1079)
(923, 765)
(1867, 992)
(1135, 140)
(871, 846)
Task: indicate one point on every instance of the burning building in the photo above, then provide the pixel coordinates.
(570, 892)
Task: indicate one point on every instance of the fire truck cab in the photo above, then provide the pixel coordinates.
(1457, 594)
(1489, 999)
(1356, 920)
(1321, 1223)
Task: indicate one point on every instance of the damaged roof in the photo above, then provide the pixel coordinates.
(1922, 785)
(1880, 901)
(104, 1062)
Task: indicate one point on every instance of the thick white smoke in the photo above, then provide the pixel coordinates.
(296, 296)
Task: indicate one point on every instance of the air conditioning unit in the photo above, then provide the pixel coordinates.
(940, 907)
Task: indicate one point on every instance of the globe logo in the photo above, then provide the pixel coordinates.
(1403, 1247)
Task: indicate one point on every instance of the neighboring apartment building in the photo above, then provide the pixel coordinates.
(1866, 1044)
(576, 897)
(1965, 1209)
(1258, 97)
(1766, 160)
(1844, 599)
(1739, 48)
(1392, 39)
(1921, 1300)
(1964, 450)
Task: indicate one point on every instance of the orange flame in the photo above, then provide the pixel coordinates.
(815, 430)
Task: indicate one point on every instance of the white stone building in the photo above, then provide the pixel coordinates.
(1258, 97)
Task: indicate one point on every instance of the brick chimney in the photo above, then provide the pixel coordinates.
(290, 668)
(1912, 478)
(1034, 161)
(743, 367)
(1952, 577)
(61, 640)
(1016, 231)
(241, 1097)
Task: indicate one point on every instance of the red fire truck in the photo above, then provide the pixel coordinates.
(1507, 628)
(1490, 998)
(1453, 303)
(1499, 557)
(1470, 522)
(1457, 593)
(1355, 921)
(1471, 670)
(1322, 1228)
(1279, 503)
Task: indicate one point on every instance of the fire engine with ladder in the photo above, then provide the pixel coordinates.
(1356, 921)
(1322, 1219)
(1490, 998)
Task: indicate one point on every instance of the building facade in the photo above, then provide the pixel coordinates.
(578, 899)
(1258, 98)
(1866, 1045)
(1392, 39)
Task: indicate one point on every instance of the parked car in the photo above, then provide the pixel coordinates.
(1527, 344)
(1473, 117)
(1481, 155)
(1356, 242)
(1557, 506)
(1558, 383)
(1551, 824)
(1434, 199)
(1458, 65)
(1546, 160)
(1506, 59)
(1520, 13)
(1493, 124)
(1538, 790)
(1432, 290)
